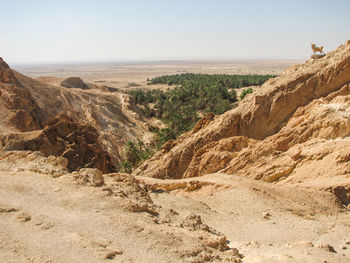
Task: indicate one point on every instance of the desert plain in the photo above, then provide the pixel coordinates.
(123, 75)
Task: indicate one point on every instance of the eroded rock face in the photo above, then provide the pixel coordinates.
(313, 134)
(291, 119)
(6, 74)
(202, 123)
(21, 111)
(28, 105)
(77, 142)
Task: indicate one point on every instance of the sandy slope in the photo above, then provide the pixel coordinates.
(46, 219)
(298, 217)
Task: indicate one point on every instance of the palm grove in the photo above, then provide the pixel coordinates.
(180, 107)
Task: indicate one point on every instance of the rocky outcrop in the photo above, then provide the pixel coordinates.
(267, 135)
(313, 133)
(202, 123)
(74, 83)
(27, 106)
(35, 162)
(6, 74)
(78, 142)
(19, 108)
(90, 176)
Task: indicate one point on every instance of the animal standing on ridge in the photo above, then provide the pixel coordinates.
(316, 49)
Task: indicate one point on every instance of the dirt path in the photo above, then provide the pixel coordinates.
(46, 219)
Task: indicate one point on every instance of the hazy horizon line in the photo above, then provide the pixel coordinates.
(151, 60)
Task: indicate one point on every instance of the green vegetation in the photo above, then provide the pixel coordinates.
(133, 155)
(245, 92)
(181, 107)
(162, 136)
(228, 81)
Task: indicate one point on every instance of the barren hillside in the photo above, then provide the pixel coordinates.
(49, 215)
(268, 181)
(28, 110)
(294, 130)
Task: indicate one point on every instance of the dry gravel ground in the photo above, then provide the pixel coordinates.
(47, 219)
(266, 222)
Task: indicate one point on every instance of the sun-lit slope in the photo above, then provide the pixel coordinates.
(48, 214)
(69, 220)
(28, 105)
(296, 126)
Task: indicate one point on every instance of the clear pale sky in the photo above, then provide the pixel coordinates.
(48, 31)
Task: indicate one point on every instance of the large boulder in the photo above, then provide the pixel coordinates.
(74, 83)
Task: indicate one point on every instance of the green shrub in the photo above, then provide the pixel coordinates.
(133, 155)
(126, 167)
(245, 92)
(162, 136)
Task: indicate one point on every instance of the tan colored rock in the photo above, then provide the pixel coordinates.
(202, 123)
(192, 222)
(234, 252)
(34, 155)
(19, 111)
(91, 176)
(62, 161)
(58, 161)
(218, 242)
(294, 130)
(28, 109)
(23, 217)
(327, 247)
(140, 206)
(67, 143)
(6, 74)
(74, 83)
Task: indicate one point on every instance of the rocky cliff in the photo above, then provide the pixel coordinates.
(29, 110)
(18, 109)
(293, 129)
